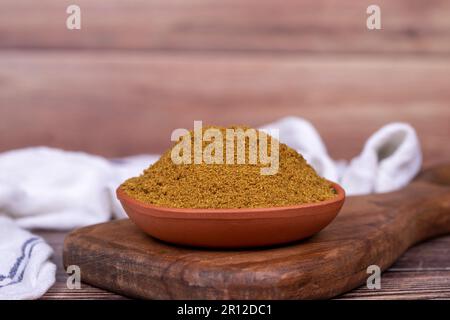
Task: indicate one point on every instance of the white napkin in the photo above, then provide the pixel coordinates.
(53, 189)
(390, 159)
(25, 269)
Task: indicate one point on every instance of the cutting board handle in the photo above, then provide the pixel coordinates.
(371, 230)
(426, 204)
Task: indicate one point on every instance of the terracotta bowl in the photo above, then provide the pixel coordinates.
(232, 228)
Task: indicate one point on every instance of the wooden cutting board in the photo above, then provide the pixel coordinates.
(370, 230)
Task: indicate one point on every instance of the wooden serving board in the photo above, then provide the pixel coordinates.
(370, 230)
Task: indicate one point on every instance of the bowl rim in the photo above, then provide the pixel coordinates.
(225, 212)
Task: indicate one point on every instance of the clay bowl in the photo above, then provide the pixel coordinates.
(232, 228)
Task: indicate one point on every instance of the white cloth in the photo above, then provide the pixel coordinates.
(53, 189)
(390, 159)
(25, 269)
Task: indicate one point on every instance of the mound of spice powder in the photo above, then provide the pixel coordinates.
(229, 185)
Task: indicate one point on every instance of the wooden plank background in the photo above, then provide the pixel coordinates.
(118, 104)
(139, 69)
(319, 26)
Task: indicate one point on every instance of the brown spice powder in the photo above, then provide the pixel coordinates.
(229, 185)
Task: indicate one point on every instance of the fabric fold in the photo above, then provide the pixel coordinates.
(390, 159)
(60, 190)
(25, 269)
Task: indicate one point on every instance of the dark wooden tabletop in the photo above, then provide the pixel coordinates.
(139, 69)
(423, 272)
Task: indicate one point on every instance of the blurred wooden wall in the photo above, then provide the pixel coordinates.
(139, 69)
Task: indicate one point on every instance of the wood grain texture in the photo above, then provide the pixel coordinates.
(407, 286)
(117, 104)
(59, 290)
(228, 62)
(412, 26)
(420, 273)
(374, 229)
(431, 256)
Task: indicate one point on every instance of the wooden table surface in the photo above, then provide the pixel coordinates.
(423, 272)
(139, 69)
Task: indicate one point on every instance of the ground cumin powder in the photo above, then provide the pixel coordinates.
(229, 185)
